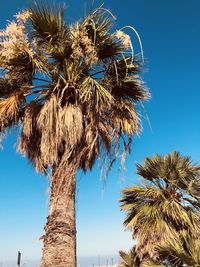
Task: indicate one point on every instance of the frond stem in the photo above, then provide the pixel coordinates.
(97, 73)
(39, 79)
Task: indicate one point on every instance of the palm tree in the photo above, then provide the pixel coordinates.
(185, 252)
(129, 259)
(166, 206)
(72, 90)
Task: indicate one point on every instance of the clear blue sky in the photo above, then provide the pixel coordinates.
(170, 31)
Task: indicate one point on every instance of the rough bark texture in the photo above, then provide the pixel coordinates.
(60, 231)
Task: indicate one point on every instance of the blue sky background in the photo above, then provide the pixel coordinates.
(170, 32)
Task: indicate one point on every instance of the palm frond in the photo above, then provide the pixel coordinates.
(173, 168)
(98, 26)
(9, 110)
(48, 23)
(129, 259)
(185, 252)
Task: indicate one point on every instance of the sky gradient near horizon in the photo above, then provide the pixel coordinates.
(170, 32)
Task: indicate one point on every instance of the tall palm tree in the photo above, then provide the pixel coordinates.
(72, 90)
(166, 206)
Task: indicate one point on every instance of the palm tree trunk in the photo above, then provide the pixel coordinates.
(60, 231)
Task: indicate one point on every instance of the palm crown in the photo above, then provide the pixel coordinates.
(72, 88)
(167, 206)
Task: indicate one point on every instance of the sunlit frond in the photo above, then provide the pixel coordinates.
(10, 111)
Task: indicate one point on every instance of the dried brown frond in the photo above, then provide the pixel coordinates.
(22, 16)
(60, 127)
(124, 38)
(31, 149)
(92, 148)
(12, 40)
(8, 87)
(125, 118)
(30, 139)
(106, 135)
(9, 110)
(29, 119)
(48, 123)
(72, 124)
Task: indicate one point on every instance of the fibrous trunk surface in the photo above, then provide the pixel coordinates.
(60, 231)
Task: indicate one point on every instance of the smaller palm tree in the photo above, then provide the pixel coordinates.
(129, 259)
(185, 252)
(166, 206)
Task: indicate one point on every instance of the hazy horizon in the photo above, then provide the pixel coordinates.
(84, 261)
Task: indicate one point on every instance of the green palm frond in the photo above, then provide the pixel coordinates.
(164, 207)
(185, 252)
(98, 26)
(174, 169)
(132, 259)
(48, 23)
(129, 259)
(93, 91)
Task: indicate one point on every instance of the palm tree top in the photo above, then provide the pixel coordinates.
(72, 88)
(172, 170)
